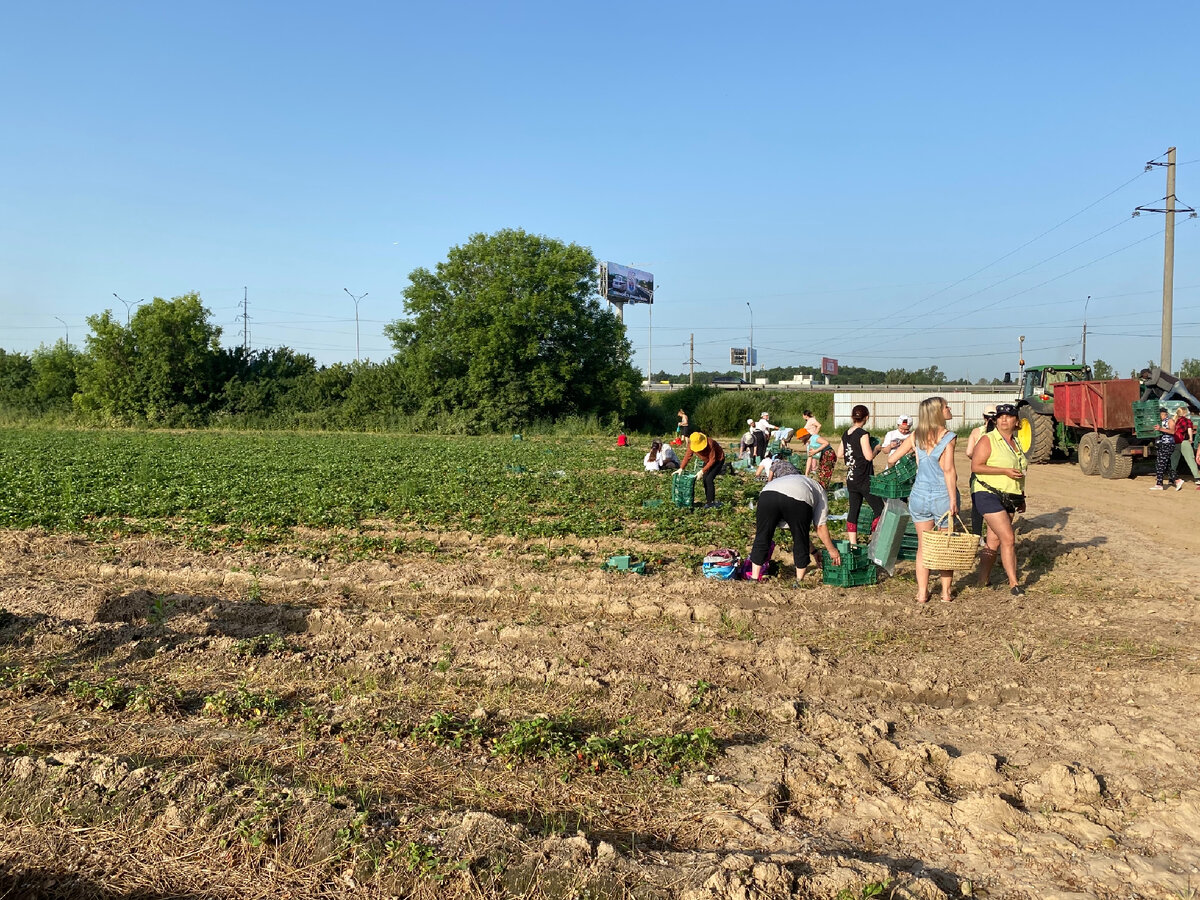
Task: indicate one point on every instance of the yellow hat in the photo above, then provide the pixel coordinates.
(697, 442)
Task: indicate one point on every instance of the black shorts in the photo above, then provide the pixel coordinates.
(985, 502)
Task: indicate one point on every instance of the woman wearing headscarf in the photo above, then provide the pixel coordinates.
(712, 458)
(998, 468)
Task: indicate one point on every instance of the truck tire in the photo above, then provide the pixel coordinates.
(1089, 453)
(1113, 464)
(1041, 435)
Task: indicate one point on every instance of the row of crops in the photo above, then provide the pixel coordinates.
(533, 488)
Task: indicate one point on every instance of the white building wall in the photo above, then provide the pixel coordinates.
(886, 406)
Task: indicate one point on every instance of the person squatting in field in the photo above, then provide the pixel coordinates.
(934, 497)
(712, 458)
(661, 458)
(800, 502)
(858, 451)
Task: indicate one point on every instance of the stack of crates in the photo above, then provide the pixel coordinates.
(683, 490)
(1145, 415)
(908, 543)
(865, 518)
(897, 481)
(856, 568)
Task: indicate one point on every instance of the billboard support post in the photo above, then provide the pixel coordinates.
(649, 347)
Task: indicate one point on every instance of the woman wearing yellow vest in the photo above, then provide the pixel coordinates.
(998, 491)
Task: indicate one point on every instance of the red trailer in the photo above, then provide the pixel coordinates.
(1098, 418)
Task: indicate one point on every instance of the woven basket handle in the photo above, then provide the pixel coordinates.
(946, 515)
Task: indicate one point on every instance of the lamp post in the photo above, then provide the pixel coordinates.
(1022, 357)
(129, 304)
(750, 355)
(67, 330)
(357, 348)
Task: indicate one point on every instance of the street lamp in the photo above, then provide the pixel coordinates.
(68, 331)
(129, 304)
(357, 348)
(750, 355)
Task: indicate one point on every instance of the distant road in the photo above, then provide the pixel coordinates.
(1006, 389)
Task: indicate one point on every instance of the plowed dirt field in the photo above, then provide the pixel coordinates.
(250, 723)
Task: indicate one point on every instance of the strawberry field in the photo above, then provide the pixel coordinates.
(328, 665)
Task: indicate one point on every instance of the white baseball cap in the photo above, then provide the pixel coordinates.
(904, 420)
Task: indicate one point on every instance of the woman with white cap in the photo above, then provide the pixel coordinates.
(712, 458)
(748, 443)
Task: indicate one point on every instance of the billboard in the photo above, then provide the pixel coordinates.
(621, 284)
(828, 366)
(739, 355)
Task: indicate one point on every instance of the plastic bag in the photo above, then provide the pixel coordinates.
(884, 547)
(721, 564)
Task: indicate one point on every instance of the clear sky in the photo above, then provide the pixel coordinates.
(888, 184)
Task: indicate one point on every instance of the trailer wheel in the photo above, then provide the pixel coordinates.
(1089, 453)
(1041, 434)
(1113, 464)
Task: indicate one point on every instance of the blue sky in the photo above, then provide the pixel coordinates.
(887, 184)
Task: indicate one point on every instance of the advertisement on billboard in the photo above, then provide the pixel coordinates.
(828, 366)
(621, 284)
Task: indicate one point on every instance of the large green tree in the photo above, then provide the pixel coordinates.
(509, 330)
(161, 369)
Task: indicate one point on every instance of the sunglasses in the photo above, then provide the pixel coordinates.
(1006, 409)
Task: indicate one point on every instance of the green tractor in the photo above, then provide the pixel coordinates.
(1035, 406)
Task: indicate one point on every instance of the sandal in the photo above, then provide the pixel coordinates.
(949, 599)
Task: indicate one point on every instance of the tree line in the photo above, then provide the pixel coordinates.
(506, 332)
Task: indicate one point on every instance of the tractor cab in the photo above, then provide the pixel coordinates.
(1037, 389)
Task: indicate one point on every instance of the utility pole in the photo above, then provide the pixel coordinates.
(692, 360)
(245, 320)
(1085, 306)
(1169, 210)
(357, 346)
(750, 352)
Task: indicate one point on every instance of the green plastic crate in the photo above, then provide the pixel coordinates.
(853, 557)
(1145, 415)
(856, 569)
(896, 481)
(683, 490)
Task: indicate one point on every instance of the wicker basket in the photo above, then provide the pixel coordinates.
(950, 550)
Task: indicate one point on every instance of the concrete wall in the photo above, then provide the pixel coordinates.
(967, 404)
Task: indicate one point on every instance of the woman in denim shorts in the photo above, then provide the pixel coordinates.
(934, 496)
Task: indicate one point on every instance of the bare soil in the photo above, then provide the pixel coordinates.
(1034, 747)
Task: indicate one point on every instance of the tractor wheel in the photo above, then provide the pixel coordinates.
(1089, 453)
(1040, 435)
(1113, 464)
